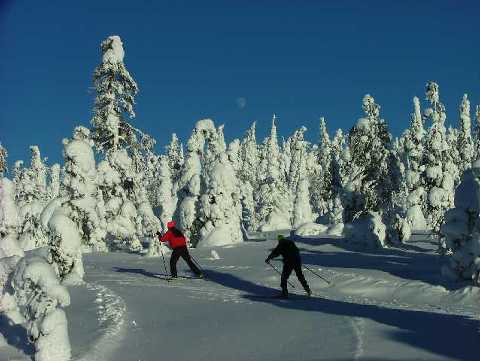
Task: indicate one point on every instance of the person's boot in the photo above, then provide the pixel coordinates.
(309, 291)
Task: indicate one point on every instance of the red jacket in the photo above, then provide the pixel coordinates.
(173, 240)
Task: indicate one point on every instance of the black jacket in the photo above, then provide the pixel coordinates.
(288, 250)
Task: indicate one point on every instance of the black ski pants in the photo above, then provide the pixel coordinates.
(288, 267)
(182, 252)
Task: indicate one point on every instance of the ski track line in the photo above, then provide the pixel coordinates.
(358, 325)
(111, 313)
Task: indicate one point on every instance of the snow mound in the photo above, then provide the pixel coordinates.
(220, 236)
(311, 229)
(214, 255)
(336, 230)
(275, 221)
(367, 230)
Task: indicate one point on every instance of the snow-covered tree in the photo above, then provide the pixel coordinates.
(3, 160)
(166, 199)
(249, 162)
(476, 140)
(129, 214)
(84, 201)
(9, 220)
(302, 211)
(54, 185)
(175, 157)
(189, 186)
(220, 206)
(39, 172)
(297, 150)
(461, 229)
(321, 180)
(115, 98)
(465, 146)
(439, 166)
(31, 198)
(272, 199)
(413, 147)
(369, 144)
(41, 299)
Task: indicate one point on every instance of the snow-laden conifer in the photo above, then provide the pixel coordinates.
(247, 173)
(465, 144)
(84, 201)
(54, 184)
(220, 209)
(174, 152)
(461, 229)
(9, 220)
(191, 183)
(3, 160)
(413, 147)
(114, 100)
(41, 298)
(369, 143)
(273, 200)
(439, 166)
(321, 179)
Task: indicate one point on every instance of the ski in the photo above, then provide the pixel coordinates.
(281, 298)
(169, 278)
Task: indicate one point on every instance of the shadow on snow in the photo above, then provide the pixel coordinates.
(447, 335)
(410, 262)
(16, 335)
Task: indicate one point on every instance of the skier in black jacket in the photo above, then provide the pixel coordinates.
(291, 262)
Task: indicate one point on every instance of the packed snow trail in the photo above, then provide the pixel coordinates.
(230, 316)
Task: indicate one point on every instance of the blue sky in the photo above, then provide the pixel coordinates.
(233, 61)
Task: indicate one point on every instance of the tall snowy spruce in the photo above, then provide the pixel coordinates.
(31, 197)
(322, 177)
(413, 144)
(249, 162)
(190, 185)
(128, 211)
(369, 145)
(3, 160)
(116, 92)
(440, 168)
(297, 178)
(465, 146)
(273, 198)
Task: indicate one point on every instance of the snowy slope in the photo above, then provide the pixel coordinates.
(391, 305)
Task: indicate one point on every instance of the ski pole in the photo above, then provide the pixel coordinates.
(276, 270)
(196, 263)
(316, 274)
(163, 257)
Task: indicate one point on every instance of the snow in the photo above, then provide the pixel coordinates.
(113, 50)
(41, 300)
(66, 248)
(379, 305)
(205, 125)
(367, 230)
(311, 229)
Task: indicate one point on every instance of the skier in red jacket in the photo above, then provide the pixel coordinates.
(178, 243)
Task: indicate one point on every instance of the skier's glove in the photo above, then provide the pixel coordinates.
(158, 234)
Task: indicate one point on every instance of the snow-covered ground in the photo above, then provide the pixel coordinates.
(382, 305)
